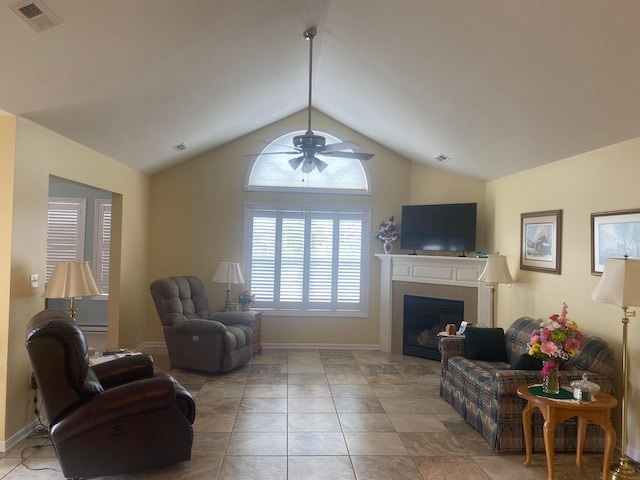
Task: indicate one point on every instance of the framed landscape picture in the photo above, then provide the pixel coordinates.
(541, 241)
(614, 234)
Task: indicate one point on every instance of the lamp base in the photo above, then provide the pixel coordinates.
(623, 471)
(227, 301)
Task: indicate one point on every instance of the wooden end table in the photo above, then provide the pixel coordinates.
(256, 325)
(554, 411)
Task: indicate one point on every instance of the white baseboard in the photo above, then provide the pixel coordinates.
(93, 328)
(339, 346)
(144, 345)
(17, 437)
(334, 346)
(633, 454)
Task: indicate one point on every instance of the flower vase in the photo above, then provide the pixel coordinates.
(550, 382)
(386, 246)
(246, 307)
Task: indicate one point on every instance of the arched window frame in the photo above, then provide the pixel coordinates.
(304, 182)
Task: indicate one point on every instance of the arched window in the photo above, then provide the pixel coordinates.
(271, 170)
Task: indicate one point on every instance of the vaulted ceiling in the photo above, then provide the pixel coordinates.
(498, 86)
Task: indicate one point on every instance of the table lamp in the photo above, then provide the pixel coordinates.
(228, 272)
(71, 280)
(495, 271)
(620, 285)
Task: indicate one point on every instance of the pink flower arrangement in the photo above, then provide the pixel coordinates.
(246, 297)
(555, 341)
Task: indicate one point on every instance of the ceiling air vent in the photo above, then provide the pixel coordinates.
(441, 158)
(35, 14)
(181, 147)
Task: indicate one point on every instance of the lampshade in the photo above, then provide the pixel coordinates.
(620, 283)
(71, 279)
(496, 270)
(228, 272)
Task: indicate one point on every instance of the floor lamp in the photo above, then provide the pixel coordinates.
(71, 280)
(620, 285)
(495, 271)
(228, 272)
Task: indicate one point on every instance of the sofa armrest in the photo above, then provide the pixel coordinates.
(123, 370)
(450, 347)
(196, 326)
(139, 398)
(506, 382)
(232, 318)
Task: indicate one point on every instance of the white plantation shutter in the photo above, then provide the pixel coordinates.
(102, 243)
(308, 261)
(350, 271)
(65, 231)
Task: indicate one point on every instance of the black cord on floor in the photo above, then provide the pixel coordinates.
(33, 469)
(40, 430)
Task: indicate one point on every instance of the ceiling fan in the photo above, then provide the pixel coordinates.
(310, 145)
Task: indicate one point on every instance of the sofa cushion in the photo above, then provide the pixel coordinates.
(526, 362)
(485, 344)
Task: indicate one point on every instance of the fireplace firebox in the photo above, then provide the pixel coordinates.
(423, 319)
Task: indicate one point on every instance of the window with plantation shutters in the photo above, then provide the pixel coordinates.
(102, 243)
(308, 260)
(65, 231)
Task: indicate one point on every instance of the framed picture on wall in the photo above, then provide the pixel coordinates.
(614, 234)
(541, 241)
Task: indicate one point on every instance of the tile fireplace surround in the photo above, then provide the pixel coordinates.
(429, 276)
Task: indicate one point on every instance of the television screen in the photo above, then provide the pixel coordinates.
(445, 227)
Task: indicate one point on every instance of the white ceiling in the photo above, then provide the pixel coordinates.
(497, 85)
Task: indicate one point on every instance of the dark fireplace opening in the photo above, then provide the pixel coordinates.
(424, 318)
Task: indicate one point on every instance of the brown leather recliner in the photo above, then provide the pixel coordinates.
(196, 337)
(116, 417)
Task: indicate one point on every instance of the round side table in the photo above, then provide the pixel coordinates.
(554, 411)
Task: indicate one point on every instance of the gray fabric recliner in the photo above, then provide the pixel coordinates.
(196, 337)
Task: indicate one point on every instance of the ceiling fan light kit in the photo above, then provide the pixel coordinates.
(309, 145)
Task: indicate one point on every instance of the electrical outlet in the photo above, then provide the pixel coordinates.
(34, 280)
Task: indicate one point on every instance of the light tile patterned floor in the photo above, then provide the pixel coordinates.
(323, 414)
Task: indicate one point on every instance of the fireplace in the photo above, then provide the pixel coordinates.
(429, 276)
(423, 319)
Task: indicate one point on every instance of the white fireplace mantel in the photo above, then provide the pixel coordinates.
(459, 271)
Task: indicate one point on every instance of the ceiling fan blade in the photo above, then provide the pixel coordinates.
(333, 147)
(308, 166)
(295, 152)
(354, 155)
(295, 162)
(320, 165)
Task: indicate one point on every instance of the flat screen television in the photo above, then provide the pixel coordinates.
(444, 227)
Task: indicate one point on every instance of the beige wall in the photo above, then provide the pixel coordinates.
(197, 221)
(602, 180)
(431, 185)
(40, 153)
(7, 157)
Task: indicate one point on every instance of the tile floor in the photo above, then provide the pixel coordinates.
(324, 414)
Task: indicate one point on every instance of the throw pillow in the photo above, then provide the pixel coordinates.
(485, 344)
(526, 362)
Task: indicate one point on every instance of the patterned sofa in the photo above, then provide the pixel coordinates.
(484, 392)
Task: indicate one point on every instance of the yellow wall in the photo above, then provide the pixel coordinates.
(7, 156)
(197, 221)
(40, 153)
(602, 180)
